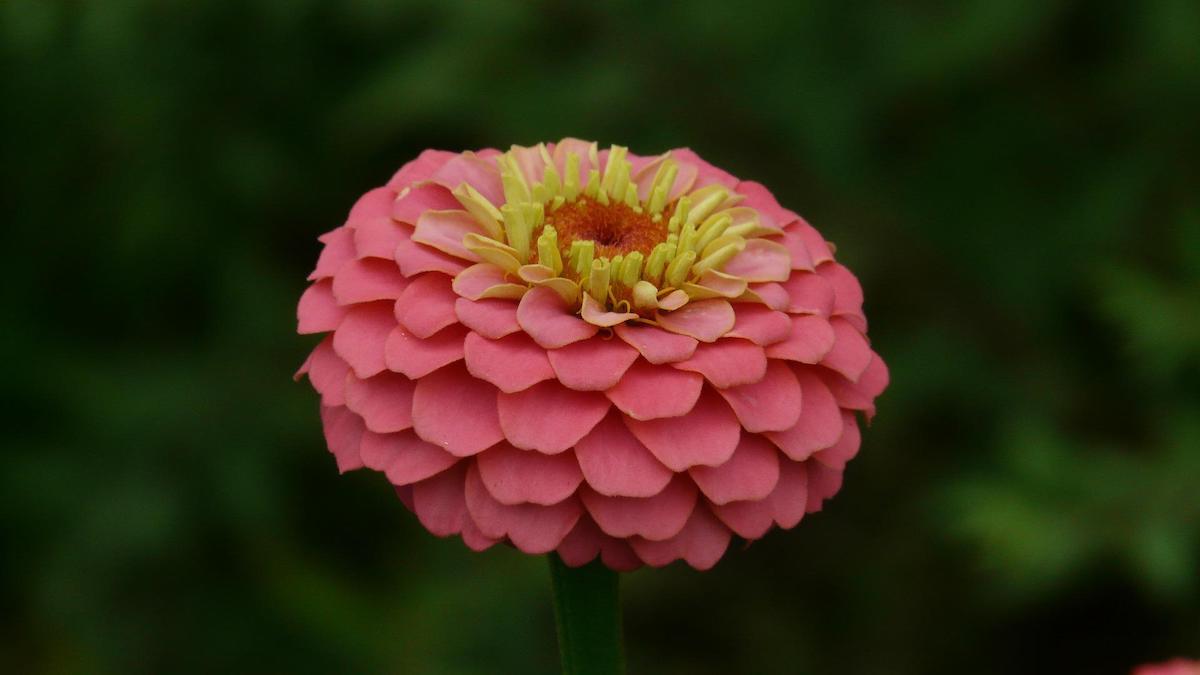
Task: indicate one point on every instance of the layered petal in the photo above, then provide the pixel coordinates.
(456, 412)
(594, 364)
(515, 476)
(750, 474)
(616, 464)
(771, 404)
(707, 435)
(658, 517)
(512, 363)
(548, 417)
(727, 363)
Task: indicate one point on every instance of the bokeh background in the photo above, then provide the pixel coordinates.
(1015, 181)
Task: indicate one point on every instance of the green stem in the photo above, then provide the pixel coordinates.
(588, 612)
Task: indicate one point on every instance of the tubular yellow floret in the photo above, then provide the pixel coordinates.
(716, 259)
(656, 264)
(687, 238)
(598, 280)
(682, 208)
(571, 187)
(677, 271)
(645, 296)
(616, 161)
(580, 258)
(518, 228)
(548, 253)
(631, 270)
(480, 209)
(713, 227)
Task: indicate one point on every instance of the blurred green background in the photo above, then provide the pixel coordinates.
(1015, 182)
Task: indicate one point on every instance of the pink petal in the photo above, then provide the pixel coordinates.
(771, 404)
(582, 544)
(378, 237)
(327, 373)
(343, 435)
(728, 362)
(427, 305)
(420, 168)
(707, 435)
(801, 258)
(368, 279)
(593, 313)
(439, 501)
(810, 340)
(701, 543)
(846, 448)
(318, 312)
(748, 520)
(384, 401)
(512, 363)
(549, 321)
(492, 318)
(860, 395)
(647, 391)
(789, 501)
(847, 292)
(581, 148)
(773, 295)
(707, 174)
(813, 241)
(474, 281)
(339, 250)
(850, 354)
(595, 364)
(515, 476)
(809, 293)
(480, 172)
(416, 358)
(820, 423)
(444, 230)
(456, 412)
(760, 199)
(421, 198)
(361, 337)
(414, 258)
(751, 473)
(548, 417)
(705, 320)
(655, 344)
(823, 483)
(404, 494)
(475, 539)
(616, 464)
(532, 528)
(761, 260)
(658, 517)
(404, 458)
(760, 324)
(374, 204)
(618, 555)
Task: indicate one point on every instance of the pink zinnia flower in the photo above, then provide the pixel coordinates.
(1172, 667)
(589, 352)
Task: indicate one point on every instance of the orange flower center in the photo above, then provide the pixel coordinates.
(616, 228)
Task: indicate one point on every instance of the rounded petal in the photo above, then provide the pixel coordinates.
(751, 473)
(420, 168)
(655, 344)
(420, 198)
(318, 312)
(512, 363)
(491, 318)
(404, 458)
(727, 363)
(771, 404)
(659, 517)
(789, 499)
(860, 395)
(771, 294)
(532, 528)
(749, 520)
(701, 543)
(414, 258)
(759, 198)
(705, 436)
(456, 412)
(548, 417)
(594, 364)
(615, 463)
(820, 423)
(801, 258)
(478, 171)
(823, 482)
(809, 293)
(847, 292)
(810, 339)
(416, 358)
(444, 230)
(361, 337)
(817, 247)
(836, 456)
(515, 476)
(368, 279)
(339, 250)
(649, 392)
(850, 354)
(376, 203)
(343, 435)
(705, 320)
(484, 280)
(761, 260)
(760, 324)
(707, 174)
(549, 321)
(439, 501)
(379, 237)
(596, 315)
(327, 373)
(383, 401)
(427, 305)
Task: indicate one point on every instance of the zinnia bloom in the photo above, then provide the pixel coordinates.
(1172, 667)
(589, 352)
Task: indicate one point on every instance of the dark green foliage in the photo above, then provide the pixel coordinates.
(1015, 182)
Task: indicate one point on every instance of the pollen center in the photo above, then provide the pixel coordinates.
(616, 228)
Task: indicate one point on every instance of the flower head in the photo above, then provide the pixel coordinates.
(589, 352)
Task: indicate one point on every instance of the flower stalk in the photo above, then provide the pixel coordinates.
(587, 611)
